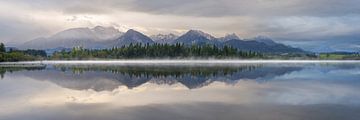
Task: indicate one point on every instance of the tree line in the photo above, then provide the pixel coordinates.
(155, 51)
(20, 55)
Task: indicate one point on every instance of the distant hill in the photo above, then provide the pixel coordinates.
(262, 44)
(262, 47)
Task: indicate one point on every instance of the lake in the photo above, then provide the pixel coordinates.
(181, 91)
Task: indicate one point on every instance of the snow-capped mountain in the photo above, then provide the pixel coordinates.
(229, 37)
(106, 33)
(196, 37)
(131, 36)
(164, 38)
(85, 37)
(201, 33)
(108, 37)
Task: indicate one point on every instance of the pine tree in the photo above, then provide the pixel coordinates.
(157, 51)
(2, 47)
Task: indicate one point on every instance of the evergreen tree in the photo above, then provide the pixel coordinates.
(2, 47)
(156, 51)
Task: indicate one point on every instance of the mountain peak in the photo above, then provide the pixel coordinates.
(231, 36)
(201, 33)
(195, 31)
(165, 35)
(196, 37)
(132, 31)
(132, 36)
(164, 38)
(102, 28)
(104, 33)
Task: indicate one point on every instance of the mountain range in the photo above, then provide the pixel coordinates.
(107, 37)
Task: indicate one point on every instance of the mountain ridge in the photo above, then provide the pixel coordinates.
(86, 37)
(131, 37)
(107, 37)
(196, 37)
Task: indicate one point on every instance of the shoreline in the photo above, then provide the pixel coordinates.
(162, 61)
(32, 64)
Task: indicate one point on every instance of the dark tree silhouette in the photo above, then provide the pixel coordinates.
(156, 51)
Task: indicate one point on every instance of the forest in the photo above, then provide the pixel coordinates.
(134, 51)
(157, 51)
(20, 55)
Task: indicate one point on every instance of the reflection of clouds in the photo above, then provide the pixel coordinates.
(187, 111)
(279, 98)
(311, 92)
(15, 99)
(290, 96)
(243, 92)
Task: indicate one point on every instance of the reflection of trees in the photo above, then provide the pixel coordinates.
(161, 71)
(100, 78)
(4, 70)
(134, 76)
(190, 76)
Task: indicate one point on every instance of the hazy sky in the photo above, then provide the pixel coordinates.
(287, 20)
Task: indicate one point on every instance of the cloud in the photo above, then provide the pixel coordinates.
(211, 8)
(283, 20)
(208, 8)
(86, 9)
(15, 30)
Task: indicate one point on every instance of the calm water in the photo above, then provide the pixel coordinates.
(267, 91)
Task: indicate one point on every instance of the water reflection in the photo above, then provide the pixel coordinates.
(4, 70)
(241, 91)
(99, 78)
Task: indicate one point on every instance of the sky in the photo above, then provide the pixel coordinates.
(296, 22)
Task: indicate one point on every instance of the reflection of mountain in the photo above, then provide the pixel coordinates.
(100, 78)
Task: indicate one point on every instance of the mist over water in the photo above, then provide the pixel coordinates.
(162, 90)
(192, 61)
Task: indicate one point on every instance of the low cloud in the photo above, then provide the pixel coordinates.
(283, 20)
(220, 8)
